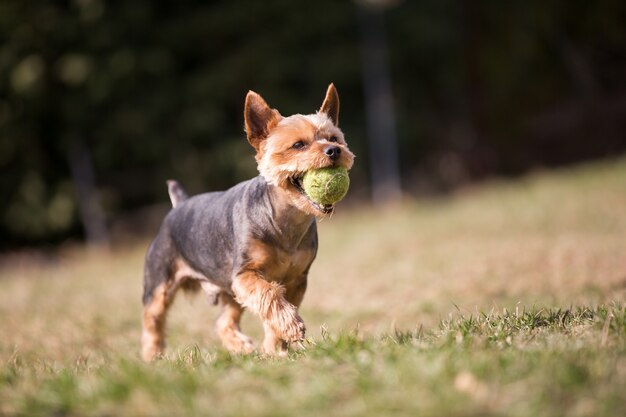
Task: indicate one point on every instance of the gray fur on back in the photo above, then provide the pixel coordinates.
(210, 231)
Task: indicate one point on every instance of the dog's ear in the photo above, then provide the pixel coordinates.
(259, 119)
(331, 104)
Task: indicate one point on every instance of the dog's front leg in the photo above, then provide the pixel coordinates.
(280, 318)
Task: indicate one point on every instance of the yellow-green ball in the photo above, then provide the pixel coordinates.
(326, 186)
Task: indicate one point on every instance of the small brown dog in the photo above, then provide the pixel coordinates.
(252, 245)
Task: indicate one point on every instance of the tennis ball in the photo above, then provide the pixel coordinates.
(326, 185)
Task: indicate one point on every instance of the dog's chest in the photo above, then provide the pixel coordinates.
(279, 264)
(288, 268)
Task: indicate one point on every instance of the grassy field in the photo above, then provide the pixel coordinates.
(508, 298)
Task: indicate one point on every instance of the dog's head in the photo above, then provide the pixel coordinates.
(287, 147)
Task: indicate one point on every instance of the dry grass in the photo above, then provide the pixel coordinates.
(554, 239)
(550, 240)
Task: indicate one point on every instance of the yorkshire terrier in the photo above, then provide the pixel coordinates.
(252, 245)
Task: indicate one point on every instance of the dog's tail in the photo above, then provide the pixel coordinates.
(177, 192)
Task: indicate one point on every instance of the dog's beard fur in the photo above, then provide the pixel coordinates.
(280, 163)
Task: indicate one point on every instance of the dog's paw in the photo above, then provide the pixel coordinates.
(238, 342)
(151, 349)
(288, 325)
(295, 331)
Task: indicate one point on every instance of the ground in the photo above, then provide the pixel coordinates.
(506, 298)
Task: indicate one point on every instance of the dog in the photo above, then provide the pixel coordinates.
(251, 246)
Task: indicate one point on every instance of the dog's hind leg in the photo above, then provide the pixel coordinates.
(159, 290)
(227, 326)
(153, 334)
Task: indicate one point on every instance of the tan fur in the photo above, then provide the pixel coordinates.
(330, 106)
(267, 299)
(227, 326)
(153, 336)
(154, 313)
(277, 264)
(259, 118)
(273, 281)
(277, 161)
(273, 288)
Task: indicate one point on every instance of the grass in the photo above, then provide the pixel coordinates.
(505, 299)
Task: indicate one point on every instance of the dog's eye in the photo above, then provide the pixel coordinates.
(298, 145)
(332, 139)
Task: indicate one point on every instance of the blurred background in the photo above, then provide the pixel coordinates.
(102, 101)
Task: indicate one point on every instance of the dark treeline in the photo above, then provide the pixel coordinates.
(102, 101)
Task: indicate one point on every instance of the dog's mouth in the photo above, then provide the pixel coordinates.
(296, 181)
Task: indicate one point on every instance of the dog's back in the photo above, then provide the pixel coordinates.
(208, 228)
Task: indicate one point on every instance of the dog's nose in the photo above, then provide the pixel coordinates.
(332, 152)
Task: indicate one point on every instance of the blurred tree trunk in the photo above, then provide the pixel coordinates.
(89, 207)
(479, 159)
(381, 124)
(579, 69)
